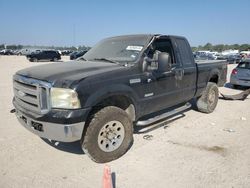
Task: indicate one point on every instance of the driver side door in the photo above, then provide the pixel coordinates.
(163, 90)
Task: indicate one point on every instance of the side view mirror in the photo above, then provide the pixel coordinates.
(164, 62)
(161, 63)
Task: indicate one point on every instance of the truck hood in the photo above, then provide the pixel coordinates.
(64, 74)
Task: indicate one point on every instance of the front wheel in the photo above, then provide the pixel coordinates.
(108, 136)
(34, 60)
(209, 99)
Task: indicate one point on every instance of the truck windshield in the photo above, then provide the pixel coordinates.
(118, 49)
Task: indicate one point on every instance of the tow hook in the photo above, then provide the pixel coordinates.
(13, 111)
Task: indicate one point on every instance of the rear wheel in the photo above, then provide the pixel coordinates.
(55, 59)
(108, 136)
(209, 99)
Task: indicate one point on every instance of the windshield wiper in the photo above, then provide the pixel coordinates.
(107, 60)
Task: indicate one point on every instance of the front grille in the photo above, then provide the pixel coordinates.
(32, 94)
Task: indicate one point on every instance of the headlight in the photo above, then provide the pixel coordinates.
(64, 98)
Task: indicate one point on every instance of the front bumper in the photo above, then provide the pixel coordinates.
(236, 81)
(53, 131)
(59, 125)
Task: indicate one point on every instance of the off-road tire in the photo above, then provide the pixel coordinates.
(203, 103)
(89, 141)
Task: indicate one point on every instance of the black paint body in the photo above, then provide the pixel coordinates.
(96, 80)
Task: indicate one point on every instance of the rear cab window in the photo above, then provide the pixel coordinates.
(184, 54)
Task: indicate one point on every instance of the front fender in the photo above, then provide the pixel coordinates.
(108, 91)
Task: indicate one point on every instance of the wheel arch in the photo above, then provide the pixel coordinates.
(111, 96)
(214, 76)
(121, 96)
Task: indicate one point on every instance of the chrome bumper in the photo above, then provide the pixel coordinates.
(53, 131)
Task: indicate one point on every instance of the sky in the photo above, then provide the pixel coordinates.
(79, 22)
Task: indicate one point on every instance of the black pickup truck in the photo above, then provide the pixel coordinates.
(120, 83)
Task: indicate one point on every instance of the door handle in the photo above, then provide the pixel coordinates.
(179, 73)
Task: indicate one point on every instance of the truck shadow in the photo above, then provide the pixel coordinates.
(75, 147)
(71, 147)
(228, 85)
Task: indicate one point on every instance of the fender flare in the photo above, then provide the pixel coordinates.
(112, 90)
(214, 72)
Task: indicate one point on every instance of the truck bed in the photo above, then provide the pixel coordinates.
(206, 68)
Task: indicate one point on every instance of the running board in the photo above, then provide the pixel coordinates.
(164, 115)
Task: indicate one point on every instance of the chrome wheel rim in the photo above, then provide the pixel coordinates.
(111, 136)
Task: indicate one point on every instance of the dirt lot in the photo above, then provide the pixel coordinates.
(192, 151)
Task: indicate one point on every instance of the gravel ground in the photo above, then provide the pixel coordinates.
(190, 150)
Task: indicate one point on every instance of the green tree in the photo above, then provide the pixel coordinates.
(244, 47)
(2, 46)
(235, 46)
(208, 46)
(219, 47)
(194, 49)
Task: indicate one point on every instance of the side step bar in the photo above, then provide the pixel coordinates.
(164, 115)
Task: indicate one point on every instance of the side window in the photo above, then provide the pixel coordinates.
(42, 53)
(186, 55)
(50, 53)
(162, 45)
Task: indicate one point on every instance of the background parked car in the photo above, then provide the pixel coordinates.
(232, 59)
(25, 52)
(50, 55)
(240, 76)
(204, 57)
(66, 52)
(77, 54)
(6, 52)
(16, 52)
(221, 57)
